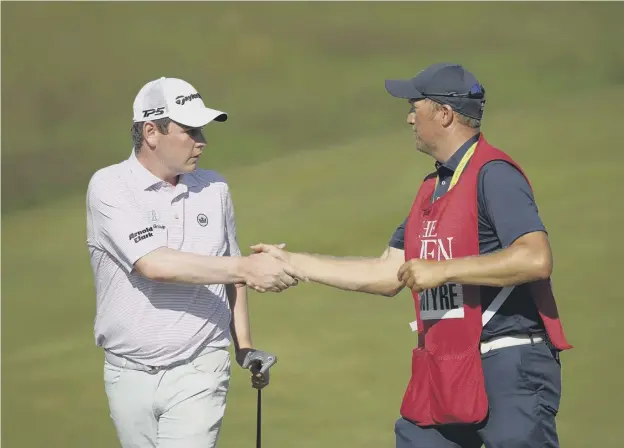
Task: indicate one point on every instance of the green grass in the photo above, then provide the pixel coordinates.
(293, 76)
(317, 156)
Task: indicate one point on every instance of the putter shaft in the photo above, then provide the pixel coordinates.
(259, 420)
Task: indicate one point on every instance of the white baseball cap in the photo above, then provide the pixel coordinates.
(176, 99)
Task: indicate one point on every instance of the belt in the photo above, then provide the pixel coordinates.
(511, 341)
(125, 363)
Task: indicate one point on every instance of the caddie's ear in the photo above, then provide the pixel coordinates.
(446, 115)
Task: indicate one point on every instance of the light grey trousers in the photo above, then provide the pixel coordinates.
(178, 408)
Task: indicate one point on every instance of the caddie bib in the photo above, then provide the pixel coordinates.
(447, 385)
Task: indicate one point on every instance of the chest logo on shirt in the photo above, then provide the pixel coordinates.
(202, 220)
(152, 216)
(141, 234)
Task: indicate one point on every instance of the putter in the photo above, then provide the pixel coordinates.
(264, 367)
(259, 420)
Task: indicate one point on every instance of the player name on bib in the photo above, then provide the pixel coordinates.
(444, 302)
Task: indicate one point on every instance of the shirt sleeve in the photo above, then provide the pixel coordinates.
(507, 202)
(398, 237)
(230, 227)
(119, 224)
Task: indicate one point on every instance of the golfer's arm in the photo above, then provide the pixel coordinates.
(369, 275)
(173, 266)
(239, 326)
(528, 259)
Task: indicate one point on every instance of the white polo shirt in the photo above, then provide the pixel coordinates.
(131, 212)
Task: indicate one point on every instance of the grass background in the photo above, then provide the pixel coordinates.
(318, 156)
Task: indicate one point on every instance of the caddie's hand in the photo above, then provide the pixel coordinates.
(263, 272)
(259, 363)
(275, 250)
(418, 275)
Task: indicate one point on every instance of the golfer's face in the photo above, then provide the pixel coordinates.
(182, 147)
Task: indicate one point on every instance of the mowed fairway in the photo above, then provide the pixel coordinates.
(318, 157)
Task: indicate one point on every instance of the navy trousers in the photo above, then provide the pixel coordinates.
(523, 386)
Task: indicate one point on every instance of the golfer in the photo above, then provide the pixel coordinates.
(476, 256)
(170, 280)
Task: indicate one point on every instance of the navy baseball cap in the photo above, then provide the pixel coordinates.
(443, 83)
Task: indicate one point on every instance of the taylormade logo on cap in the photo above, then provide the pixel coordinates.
(183, 99)
(176, 99)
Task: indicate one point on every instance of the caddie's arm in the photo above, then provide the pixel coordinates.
(506, 200)
(527, 259)
(374, 275)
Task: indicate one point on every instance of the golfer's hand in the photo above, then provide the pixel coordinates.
(259, 363)
(418, 275)
(263, 272)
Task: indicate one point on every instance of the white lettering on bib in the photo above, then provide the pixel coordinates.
(444, 302)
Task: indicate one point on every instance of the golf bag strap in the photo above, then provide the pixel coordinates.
(496, 304)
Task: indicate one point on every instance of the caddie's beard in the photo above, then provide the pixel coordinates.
(422, 146)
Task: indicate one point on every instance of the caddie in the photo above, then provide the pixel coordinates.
(475, 253)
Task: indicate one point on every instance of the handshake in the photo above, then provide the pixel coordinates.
(270, 269)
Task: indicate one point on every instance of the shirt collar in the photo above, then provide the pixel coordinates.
(142, 176)
(189, 180)
(452, 163)
(146, 179)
